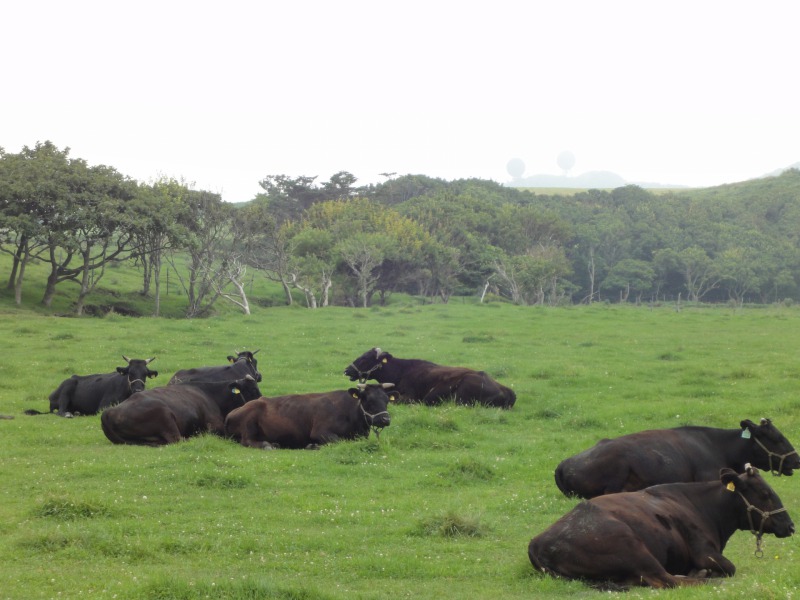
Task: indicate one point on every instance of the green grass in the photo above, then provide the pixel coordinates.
(442, 505)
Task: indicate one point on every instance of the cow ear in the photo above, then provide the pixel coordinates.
(353, 392)
(748, 428)
(393, 396)
(122, 370)
(231, 359)
(385, 357)
(152, 374)
(729, 479)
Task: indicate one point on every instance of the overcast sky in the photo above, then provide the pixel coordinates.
(222, 94)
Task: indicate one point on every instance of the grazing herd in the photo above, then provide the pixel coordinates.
(657, 508)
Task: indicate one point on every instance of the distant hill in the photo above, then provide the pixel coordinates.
(603, 180)
(591, 179)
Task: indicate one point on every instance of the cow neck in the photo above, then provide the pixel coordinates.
(719, 508)
(739, 451)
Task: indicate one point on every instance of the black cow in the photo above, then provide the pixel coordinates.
(667, 535)
(309, 420)
(639, 460)
(89, 394)
(171, 413)
(426, 382)
(244, 363)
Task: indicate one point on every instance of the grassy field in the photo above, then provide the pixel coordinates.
(442, 505)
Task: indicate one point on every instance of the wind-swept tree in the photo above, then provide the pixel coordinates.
(207, 223)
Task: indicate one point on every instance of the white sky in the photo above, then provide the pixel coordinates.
(222, 94)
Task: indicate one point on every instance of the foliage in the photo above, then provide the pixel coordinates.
(338, 243)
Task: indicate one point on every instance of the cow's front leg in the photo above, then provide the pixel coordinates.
(714, 564)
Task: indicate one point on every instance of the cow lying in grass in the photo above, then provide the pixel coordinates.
(169, 414)
(310, 420)
(89, 394)
(664, 536)
(426, 382)
(639, 460)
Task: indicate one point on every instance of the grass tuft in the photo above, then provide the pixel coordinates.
(451, 525)
(70, 510)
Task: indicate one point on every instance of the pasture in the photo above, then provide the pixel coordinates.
(443, 504)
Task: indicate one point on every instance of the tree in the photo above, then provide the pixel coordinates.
(85, 216)
(208, 242)
(157, 228)
(629, 275)
(363, 255)
(700, 272)
(22, 201)
(266, 245)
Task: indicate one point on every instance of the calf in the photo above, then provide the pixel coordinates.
(174, 412)
(426, 382)
(89, 394)
(309, 420)
(639, 460)
(667, 535)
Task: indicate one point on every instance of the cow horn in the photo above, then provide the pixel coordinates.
(149, 360)
(250, 377)
(377, 352)
(361, 386)
(127, 360)
(256, 351)
(387, 385)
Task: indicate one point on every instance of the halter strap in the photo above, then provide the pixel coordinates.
(370, 418)
(779, 471)
(764, 516)
(364, 375)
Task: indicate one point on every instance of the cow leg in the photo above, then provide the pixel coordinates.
(713, 563)
(65, 392)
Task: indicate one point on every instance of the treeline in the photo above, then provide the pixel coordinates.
(335, 242)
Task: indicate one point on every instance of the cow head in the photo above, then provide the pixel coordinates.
(774, 452)
(763, 511)
(137, 372)
(240, 392)
(250, 358)
(364, 366)
(374, 403)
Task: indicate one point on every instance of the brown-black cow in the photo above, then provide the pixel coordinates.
(426, 382)
(664, 536)
(89, 394)
(310, 420)
(241, 365)
(639, 460)
(171, 413)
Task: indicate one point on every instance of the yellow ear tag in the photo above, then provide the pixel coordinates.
(355, 396)
(384, 361)
(731, 487)
(235, 390)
